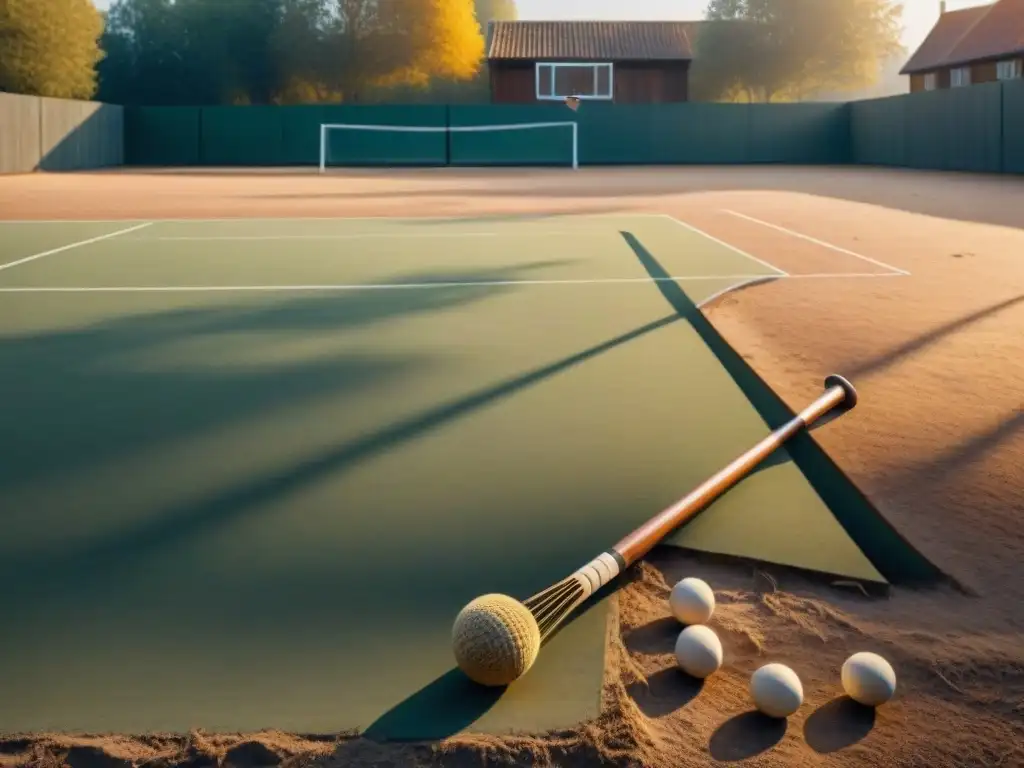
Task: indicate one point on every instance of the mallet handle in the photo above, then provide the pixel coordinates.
(839, 392)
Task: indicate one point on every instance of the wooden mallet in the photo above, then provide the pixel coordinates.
(496, 638)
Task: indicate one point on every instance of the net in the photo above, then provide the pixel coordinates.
(522, 144)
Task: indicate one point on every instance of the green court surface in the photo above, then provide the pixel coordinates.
(252, 469)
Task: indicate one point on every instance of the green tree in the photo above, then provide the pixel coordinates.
(300, 47)
(144, 63)
(229, 46)
(364, 46)
(771, 50)
(50, 47)
(274, 51)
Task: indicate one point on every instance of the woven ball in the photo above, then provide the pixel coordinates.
(495, 639)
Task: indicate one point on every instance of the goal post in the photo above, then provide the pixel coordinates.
(514, 144)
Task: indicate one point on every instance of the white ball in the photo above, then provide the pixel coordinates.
(777, 690)
(692, 601)
(698, 651)
(868, 679)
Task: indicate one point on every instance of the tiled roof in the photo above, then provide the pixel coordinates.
(971, 34)
(591, 40)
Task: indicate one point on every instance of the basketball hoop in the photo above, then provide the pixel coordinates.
(572, 102)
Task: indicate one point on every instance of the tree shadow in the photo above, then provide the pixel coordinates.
(887, 359)
(104, 560)
(108, 391)
(891, 553)
(944, 466)
(665, 692)
(746, 735)
(839, 724)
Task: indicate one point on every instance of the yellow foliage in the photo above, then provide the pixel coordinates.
(446, 39)
(412, 76)
(301, 91)
(50, 47)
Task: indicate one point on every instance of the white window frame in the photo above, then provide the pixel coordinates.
(931, 81)
(551, 67)
(959, 77)
(1011, 69)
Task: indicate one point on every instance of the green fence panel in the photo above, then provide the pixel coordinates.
(649, 134)
(663, 134)
(799, 133)
(511, 134)
(956, 129)
(352, 145)
(162, 136)
(925, 130)
(697, 133)
(878, 132)
(1013, 126)
(300, 134)
(512, 114)
(976, 128)
(617, 134)
(963, 129)
(242, 136)
(539, 144)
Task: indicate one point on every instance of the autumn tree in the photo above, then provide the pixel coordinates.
(49, 47)
(771, 50)
(442, 38)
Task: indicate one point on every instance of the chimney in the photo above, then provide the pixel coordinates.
(942, 7)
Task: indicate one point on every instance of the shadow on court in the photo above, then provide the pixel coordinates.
(102, 562)
(154, 556)
(893, 556)
(106, 391)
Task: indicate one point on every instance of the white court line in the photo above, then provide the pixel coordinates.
(816, 241)
(735, 287)
(506, 218)
(724, 244)
(428, 286)
(69, 246)
(372, 236)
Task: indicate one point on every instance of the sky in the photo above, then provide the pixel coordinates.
(918, 15)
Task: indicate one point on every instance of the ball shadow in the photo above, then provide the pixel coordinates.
(746, 735)
(839, 724)
(440, 709)
(665, 691)
(655, 637)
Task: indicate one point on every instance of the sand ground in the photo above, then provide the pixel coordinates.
(937, 444)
